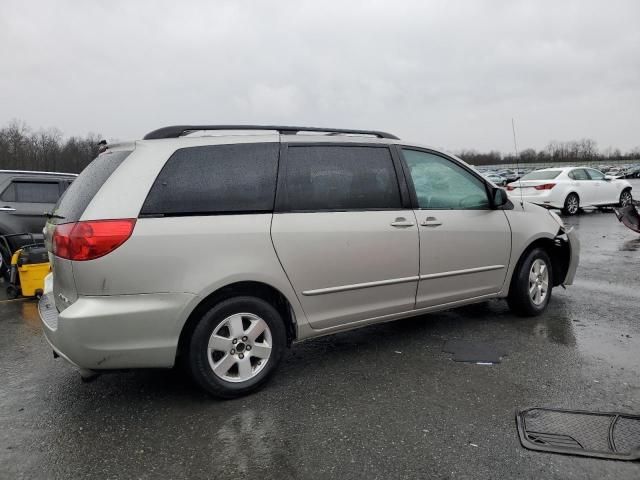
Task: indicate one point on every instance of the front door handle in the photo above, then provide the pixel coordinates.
(431, 222)
(402, 222)
(6, 208)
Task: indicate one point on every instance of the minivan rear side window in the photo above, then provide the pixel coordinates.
(77, 197)
(328, 177)
(215, 179)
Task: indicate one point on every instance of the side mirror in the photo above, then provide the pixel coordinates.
(500, 197)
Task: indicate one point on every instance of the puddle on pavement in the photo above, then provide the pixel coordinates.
(557, 329)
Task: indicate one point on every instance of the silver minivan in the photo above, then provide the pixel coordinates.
(221, 245)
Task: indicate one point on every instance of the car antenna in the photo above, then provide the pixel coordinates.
(515, 146)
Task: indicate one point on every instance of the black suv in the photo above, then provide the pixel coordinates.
(26, 196)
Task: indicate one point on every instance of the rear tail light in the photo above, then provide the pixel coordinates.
(90, 239)
(546, 186)
(510, 188)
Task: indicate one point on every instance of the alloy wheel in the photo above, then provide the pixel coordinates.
(239, 347)
(538, 281)
(572, 205)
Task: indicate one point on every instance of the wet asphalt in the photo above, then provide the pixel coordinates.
(381, 402)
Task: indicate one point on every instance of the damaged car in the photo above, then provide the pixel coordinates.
(219, 246)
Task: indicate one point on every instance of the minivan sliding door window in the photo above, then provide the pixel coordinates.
(340, 178)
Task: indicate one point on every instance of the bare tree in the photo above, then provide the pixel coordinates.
(23, 149)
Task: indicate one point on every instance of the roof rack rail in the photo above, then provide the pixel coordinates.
(176, 131)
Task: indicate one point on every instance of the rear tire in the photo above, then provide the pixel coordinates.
(625, 198)
(571, 204)
(236, 346)
(531, 284)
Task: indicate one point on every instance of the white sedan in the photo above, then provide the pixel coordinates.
(570, 189)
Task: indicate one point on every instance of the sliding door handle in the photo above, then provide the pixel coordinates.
(402, 222)
(431, 222)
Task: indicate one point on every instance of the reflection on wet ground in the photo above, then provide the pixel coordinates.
(380, 402)
(29, 315)
(556, 328)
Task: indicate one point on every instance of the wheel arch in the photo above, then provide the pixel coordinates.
(257, 289)
(569, 193)
(559, 252)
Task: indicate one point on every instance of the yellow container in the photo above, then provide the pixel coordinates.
(30, 275)
(32, 278)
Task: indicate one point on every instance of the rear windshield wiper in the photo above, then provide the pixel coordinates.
(53, 215)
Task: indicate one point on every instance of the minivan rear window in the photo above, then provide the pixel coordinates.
(77, 197)
(215, 180)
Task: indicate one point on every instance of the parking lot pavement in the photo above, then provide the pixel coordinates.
(381, 402)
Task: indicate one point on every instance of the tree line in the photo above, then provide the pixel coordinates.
(574, 151)
(22, 148)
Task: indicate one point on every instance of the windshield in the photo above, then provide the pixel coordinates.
(542, 175)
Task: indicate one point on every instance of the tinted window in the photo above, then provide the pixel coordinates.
(9, 194)
(216, 179)
(443, 184)
(76, 198)
(579, 174)
(595, 174)
(542, 175)
(32, 192)
(340, 178)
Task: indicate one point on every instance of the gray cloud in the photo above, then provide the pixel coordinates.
(446, 73)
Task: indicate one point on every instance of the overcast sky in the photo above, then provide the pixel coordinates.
(447, 73)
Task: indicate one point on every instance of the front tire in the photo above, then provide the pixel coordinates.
(236, 346)
(531, 284)
(625, 198)
(571, 204)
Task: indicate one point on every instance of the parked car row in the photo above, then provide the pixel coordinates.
(504, 176)
(621, 171)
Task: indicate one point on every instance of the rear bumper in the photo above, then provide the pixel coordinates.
(116, 332)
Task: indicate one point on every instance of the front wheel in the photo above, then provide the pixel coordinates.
(531, 284)
(571, 204)
(236, 346)
(625, 198)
